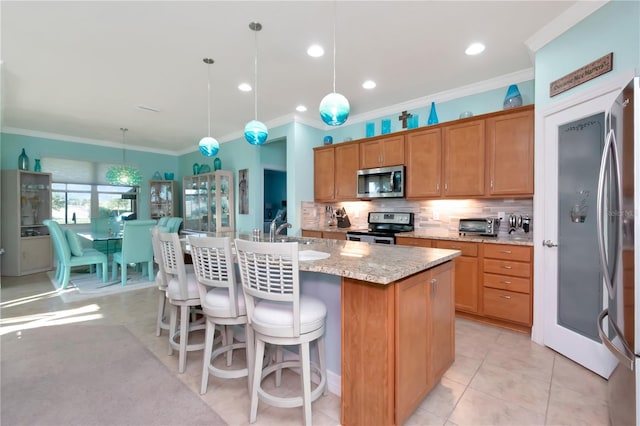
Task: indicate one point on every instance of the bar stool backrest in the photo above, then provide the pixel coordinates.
(173, 260)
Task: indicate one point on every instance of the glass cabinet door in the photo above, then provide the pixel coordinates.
(162, 198)
(209, 202)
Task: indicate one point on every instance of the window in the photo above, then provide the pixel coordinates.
(79, 192)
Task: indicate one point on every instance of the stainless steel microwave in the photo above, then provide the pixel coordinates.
(383, 182)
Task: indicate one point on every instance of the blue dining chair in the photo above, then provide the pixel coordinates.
(136, 248)
(67, 259)
(163, 221)
(174, 224)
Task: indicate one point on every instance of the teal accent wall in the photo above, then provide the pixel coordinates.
(36, 147)
(615, 27)
(481, 103)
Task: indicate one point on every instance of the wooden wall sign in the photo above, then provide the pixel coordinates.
(582, 75)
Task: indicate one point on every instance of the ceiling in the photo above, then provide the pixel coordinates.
(81, 69)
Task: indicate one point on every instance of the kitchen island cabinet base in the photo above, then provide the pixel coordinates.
(397, 342)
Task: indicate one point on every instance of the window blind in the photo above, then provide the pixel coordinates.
(65, 170)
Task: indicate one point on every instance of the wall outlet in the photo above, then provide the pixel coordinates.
(501, 215)
(435, 214)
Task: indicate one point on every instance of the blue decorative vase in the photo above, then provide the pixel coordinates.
(513, 98)
(328, 140)
(196, 168)
(36, 166)
(23, 161)
(433, 116)
(217, 164)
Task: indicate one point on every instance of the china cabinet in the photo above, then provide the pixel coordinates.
(26, 202)
(209, 202)
(162, 198)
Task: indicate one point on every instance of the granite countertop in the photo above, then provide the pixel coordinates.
(375, 263)
(516, 239)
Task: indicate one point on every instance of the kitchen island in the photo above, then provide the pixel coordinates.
(390, 322)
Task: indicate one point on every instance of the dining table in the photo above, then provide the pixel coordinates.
(111, 239)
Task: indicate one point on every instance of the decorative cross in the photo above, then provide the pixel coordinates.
(404, 117)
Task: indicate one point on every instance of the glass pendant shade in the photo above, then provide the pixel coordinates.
(334, 109)
(209, 146)
(124, 175)
(255, 132)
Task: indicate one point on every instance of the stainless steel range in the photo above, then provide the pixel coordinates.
(383, 227)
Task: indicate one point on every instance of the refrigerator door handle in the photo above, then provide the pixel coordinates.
(626, 355)
(600, 219)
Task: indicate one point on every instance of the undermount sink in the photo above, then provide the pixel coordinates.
(286, 239)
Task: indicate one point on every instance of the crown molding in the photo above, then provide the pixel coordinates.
(564, 21)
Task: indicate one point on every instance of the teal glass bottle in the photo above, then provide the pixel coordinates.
(37, 167)
(513, 98)
(433, 116)
(217, 164)
(23, 161)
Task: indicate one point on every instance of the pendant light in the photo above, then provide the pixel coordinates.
(334, 108)
(255, 132)
(123, 174)
(209, 146)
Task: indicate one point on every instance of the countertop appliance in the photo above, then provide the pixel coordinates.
(342, 219)
(383, 227)
(484, 226)
(382, 182)
(618, 188)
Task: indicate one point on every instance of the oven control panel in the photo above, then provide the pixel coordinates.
(395, 218)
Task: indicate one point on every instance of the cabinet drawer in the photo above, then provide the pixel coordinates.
(467, 249)
(500, 251)
(503, 282)
(410, 241)
(311, 234)
(505, 267)
(334, 235)
(507, 305)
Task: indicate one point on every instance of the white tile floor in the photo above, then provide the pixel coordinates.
(499, 377)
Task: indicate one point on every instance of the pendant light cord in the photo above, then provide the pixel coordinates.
(124, 129)
(255, 75)
(335, 7)
(209, 99)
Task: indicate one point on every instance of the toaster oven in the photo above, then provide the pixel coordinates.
(484, 226)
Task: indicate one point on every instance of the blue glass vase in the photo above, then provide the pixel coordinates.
(23, 161)
(37, 167)
(217, 164)
(513, 98)
(433, 116)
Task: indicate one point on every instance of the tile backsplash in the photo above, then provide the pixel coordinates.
(434, 215)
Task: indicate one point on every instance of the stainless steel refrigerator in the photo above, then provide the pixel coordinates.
(617, 204)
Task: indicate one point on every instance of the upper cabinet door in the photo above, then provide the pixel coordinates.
(424, 163)
(346, 171)
(382, 152)
(510, 154)
(464, 159)
(324, 174)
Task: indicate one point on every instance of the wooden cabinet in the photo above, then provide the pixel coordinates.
(382, 152)
(209, 202)
(423, 158)
(510, 154)
(26, 202)
(346, 171)
(324, 173)
(397, 340)
(507, 283)
(335, 172)
(411, 241)
(163, 200)
(324, 234)
(467, 282)
(464, 159)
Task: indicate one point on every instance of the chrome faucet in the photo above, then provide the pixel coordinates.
(273, 231)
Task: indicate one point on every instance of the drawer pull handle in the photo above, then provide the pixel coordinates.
(505, 297)
(505, 251)
(506, 282)
(506, 267)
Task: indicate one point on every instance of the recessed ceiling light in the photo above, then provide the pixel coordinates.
(301, 108)
(315, 51)
(369, 84)
(244, 87)
(474, 49)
